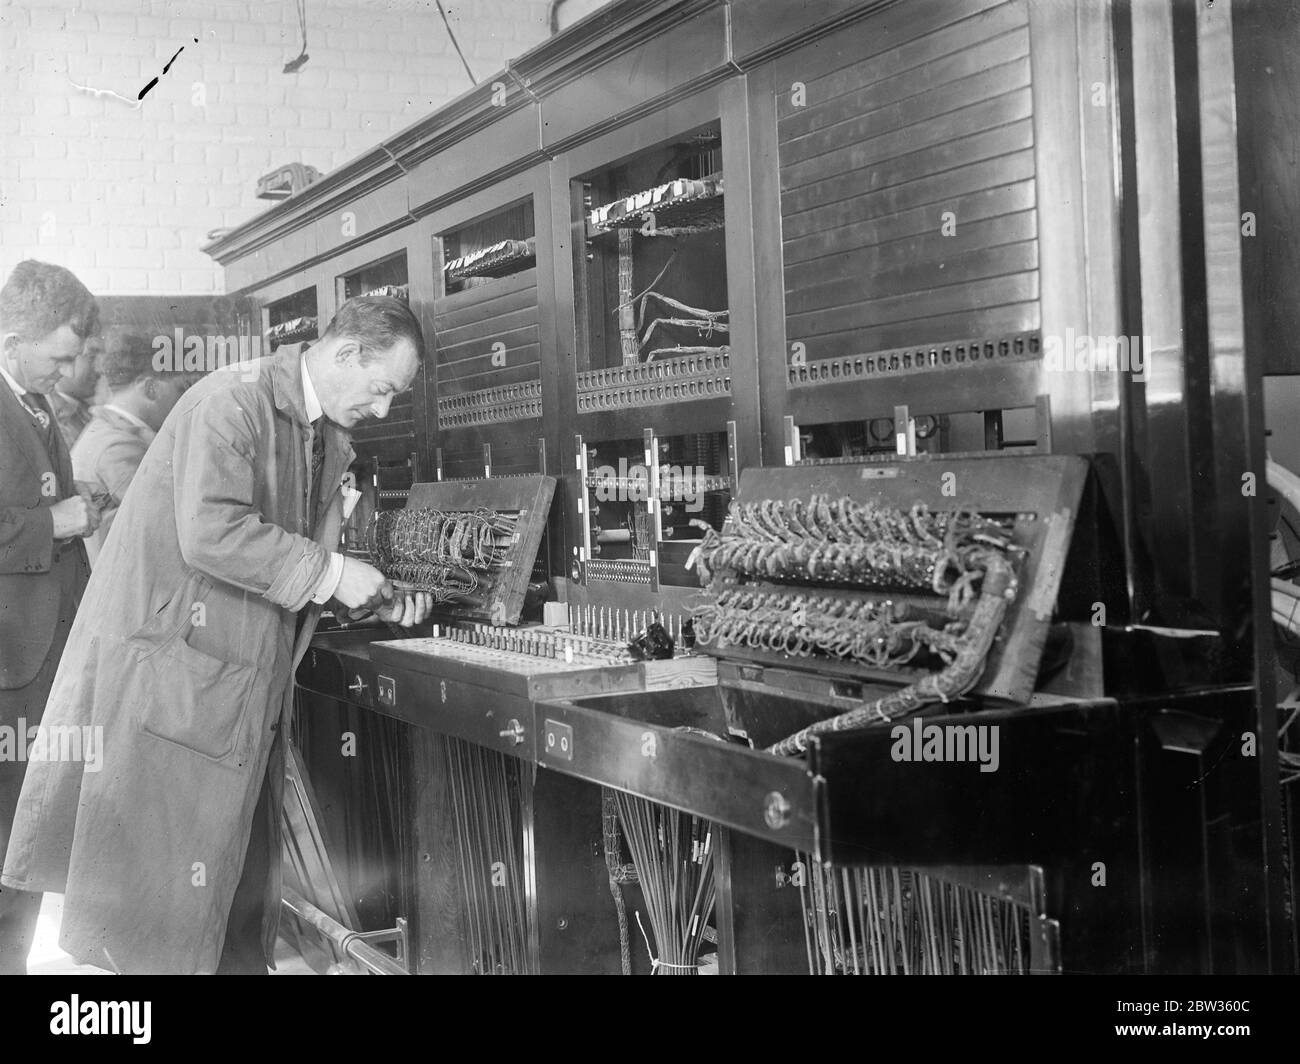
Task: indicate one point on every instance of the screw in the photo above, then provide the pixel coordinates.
(776, 810)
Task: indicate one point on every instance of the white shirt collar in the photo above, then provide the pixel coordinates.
(18, 388)
(310, 401)
(137, 422)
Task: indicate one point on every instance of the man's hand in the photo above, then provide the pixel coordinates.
(76, 516)
(362, 585)
(408, 608)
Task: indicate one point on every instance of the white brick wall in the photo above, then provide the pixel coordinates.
(125, 196)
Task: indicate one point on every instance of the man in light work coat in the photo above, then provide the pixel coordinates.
(183, 653)
(113, 443)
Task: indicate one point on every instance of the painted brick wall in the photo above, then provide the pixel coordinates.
(125, 196)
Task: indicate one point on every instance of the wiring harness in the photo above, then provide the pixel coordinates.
(789, 577)
(438, 551)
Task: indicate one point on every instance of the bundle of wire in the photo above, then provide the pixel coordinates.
(703, 322)
(875, 632)
(642, 534)
(373, 821)
(898, 921)
(621, 872)
(484, 789)
(845, 542)
(963, 557)
(673, 856)
(438, 551)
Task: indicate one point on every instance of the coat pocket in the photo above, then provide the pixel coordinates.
(192, 699)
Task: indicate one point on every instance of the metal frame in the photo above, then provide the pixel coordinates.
(359, 945)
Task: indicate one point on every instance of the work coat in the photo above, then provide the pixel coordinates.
(105, 457)
(183, 654)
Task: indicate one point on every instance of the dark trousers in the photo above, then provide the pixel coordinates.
(19, 909)
(242, 953)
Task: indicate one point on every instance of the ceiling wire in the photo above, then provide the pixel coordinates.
(294, 65)
(456, 44)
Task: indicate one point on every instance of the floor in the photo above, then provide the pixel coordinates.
(47, 959)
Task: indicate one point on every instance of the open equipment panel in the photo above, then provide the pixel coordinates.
(947, 569)
(472, 677)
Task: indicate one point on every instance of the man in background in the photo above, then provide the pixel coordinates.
(70, 399)
(110, 450)
(45, 316)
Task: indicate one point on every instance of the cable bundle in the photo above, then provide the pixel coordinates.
(962, 556)
(642, 534)
(704, 322)
(959, 675)
(438, 551)
(673, 856)
(896, 921)
(685, 205)
(620, 872)
(483, 786)
(875, 633)
(841, 541)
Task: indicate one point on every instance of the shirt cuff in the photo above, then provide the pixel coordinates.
(330, 581)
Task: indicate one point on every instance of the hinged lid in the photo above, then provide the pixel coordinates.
(877, 554)
(493, 529)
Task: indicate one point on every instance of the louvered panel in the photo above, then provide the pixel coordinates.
(508, 459)
(971, 208)
(917, 194)
(970, 103)
(930, 260)
(937, 133)
(488, 326)
(927, 176)
(520, 345)
(469, 325)
(472, 370)
(917, 305)
(998, 276)
(488, 300)
(930, 123)
(951, 52)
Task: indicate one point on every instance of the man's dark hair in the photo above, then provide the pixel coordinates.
(39, 298)
(128, 355)
(376, 323)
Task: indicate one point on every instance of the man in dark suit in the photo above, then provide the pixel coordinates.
(45, 316)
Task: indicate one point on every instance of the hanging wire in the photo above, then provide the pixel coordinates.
(900, 921)
(456, 44)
